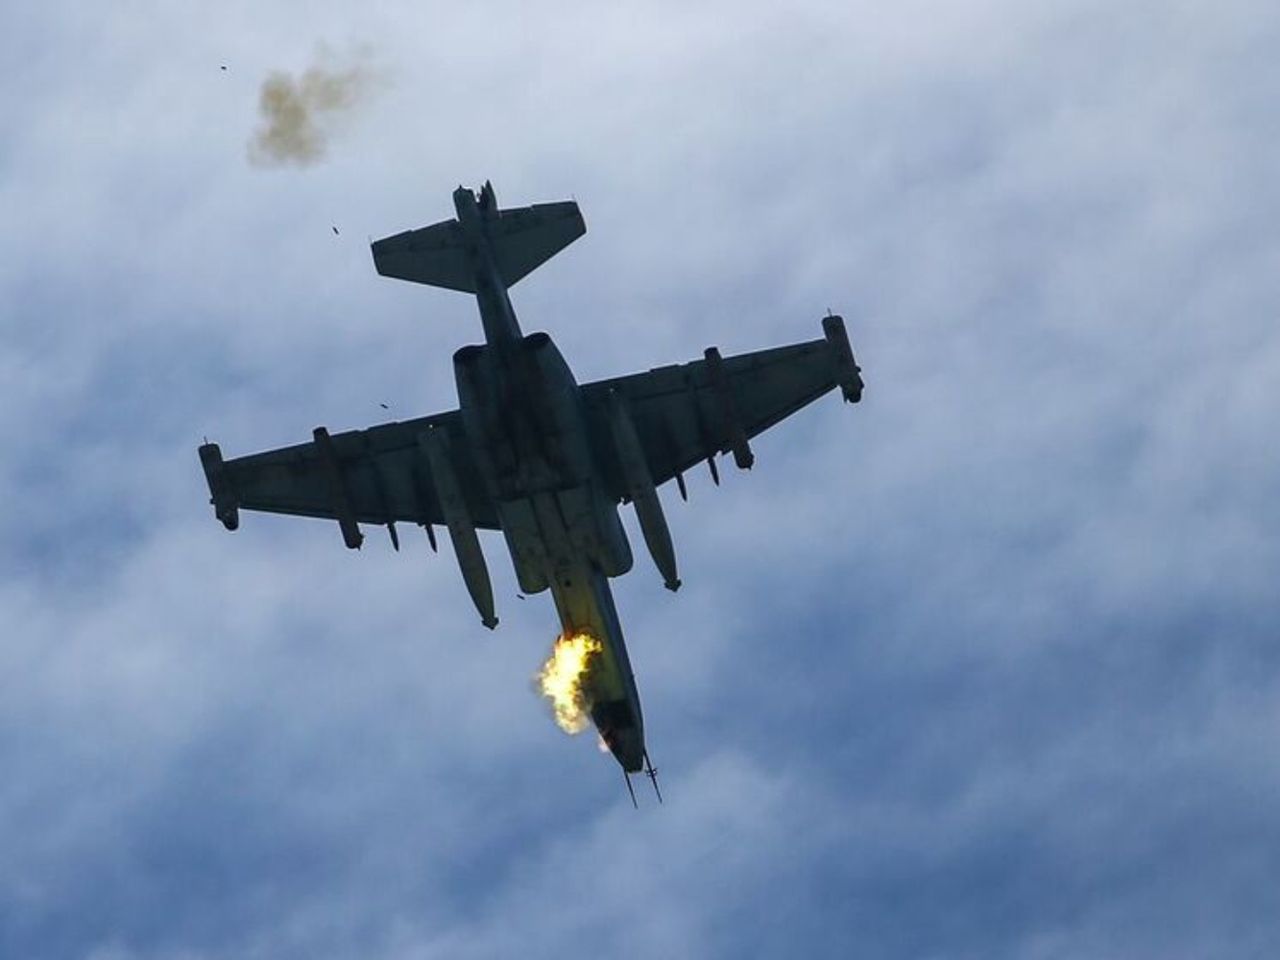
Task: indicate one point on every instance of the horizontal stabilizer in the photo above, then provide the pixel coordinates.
(521, 238)
(525, 238)
(435, 255)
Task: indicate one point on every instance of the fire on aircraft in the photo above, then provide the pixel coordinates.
(565, 680)
(536, 455)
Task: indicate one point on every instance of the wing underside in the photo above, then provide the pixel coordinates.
(685, 414)
(379, 476)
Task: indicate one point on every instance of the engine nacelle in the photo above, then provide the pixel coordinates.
(479, 404)
(561, 425)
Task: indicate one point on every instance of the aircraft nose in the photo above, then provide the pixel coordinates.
(617, 723)
(628, 747)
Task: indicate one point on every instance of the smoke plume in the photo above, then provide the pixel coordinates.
(300, 114)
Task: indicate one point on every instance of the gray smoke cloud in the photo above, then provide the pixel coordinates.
(300, 114)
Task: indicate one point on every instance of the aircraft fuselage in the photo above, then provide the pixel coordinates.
(527, 434)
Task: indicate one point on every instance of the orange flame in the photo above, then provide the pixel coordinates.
(561, 680)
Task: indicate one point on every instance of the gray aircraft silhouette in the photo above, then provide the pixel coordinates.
(533, 453)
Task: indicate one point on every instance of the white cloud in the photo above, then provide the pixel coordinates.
(980, 667)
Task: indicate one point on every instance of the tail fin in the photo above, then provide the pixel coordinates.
(521, 238)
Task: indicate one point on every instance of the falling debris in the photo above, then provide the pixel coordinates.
(563, 680)
(335, 231)
(224, 68)
(299, 113)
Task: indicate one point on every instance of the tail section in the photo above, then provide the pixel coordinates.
(454, 253)
(435, 255)
(524, 238)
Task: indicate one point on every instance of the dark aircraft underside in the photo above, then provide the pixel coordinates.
(531, 452)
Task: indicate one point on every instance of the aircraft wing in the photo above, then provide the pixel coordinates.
(687, 413)
(379, 475)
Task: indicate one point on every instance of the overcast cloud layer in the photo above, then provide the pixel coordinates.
(986, 666)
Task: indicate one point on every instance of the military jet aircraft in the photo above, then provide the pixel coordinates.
(532, 452)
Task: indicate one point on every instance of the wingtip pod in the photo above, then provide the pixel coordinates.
(222, 496)
(848, 372)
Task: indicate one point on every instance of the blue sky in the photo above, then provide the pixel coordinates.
(984, 667)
